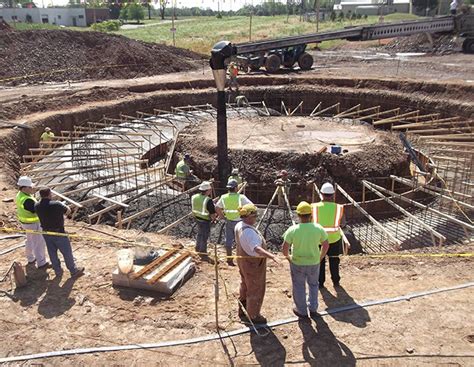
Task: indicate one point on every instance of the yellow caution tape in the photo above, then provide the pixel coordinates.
(167, 247)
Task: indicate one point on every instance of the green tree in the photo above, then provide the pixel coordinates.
(124, 13)
(163, 5)
(136, 12)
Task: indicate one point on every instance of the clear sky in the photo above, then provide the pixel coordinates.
(225, 4)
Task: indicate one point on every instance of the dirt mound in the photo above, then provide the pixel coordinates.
(4, 27)
(59, 55)
(444, 44)
(261, 167)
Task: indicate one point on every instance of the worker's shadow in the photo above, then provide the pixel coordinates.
(267, 348)
(358, 316)
(57, 299)
(321, 347)
(36, 285)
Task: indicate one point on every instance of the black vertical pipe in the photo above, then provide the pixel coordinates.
(222, 149)
(220, 51)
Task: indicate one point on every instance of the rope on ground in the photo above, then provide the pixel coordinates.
(224, 334)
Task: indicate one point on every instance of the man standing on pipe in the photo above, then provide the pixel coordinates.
(252, 262)
(305, 240)
(331, 217)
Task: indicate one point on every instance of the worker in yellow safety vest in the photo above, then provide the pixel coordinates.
(35, 246)
(235, 176)
(228, 207)
(184, 174)
(47, 136)
(331, 217)
(204, 212)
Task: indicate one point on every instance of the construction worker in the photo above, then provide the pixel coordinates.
(235, 176)
(35, 247)
(251, 249)
(305, 240)
(228, 207)
(51, 214)
(204, 211)
(453, 7)
(184, 174)
(47, 135)
(233, 72)
(331, 217)
(283, 184)
(241, 101)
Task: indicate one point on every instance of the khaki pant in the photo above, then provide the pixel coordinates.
(252, 284)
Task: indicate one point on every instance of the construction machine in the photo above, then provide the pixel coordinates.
(288, 51)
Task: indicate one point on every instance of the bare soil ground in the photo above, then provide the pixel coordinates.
(456, 69)
(61, 55)
(55, 314)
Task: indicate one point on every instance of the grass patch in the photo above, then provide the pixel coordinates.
(200, 33)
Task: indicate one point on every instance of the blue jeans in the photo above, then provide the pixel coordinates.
(300, 275)
(61, 243)
(204, 229)
(229, 233)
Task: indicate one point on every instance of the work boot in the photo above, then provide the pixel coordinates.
(301, 316)
(78, 272)
(230, 261)
(258, 320)
(207, 259)
(46, 265)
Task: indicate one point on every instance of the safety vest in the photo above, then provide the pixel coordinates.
(199, 206)
(25, 216)
(329, 216)
(236, 178)
(179, 169)
(47, 136)
(231, 202)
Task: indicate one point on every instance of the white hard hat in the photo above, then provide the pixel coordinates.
(47, 129)
(235, 171)
(204, 186)
(327, 189)
(25, 181)
(232, 184)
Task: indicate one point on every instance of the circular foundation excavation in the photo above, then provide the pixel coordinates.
(397, 191)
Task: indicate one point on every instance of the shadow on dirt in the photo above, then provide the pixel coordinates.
(321, 347)
(358, 317)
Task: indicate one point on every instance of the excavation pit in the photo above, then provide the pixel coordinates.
(134, 190)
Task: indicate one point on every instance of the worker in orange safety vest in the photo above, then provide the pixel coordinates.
(331, 217)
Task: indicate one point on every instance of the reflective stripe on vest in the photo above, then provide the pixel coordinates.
(179, 169)
(199, 206)
(328, 215)
(25, 216)
(231, 202)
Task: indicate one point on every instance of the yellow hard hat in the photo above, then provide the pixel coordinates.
(247, 209)
(303, 208)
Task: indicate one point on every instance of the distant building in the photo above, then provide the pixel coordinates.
(372, 7)
(68, 17)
